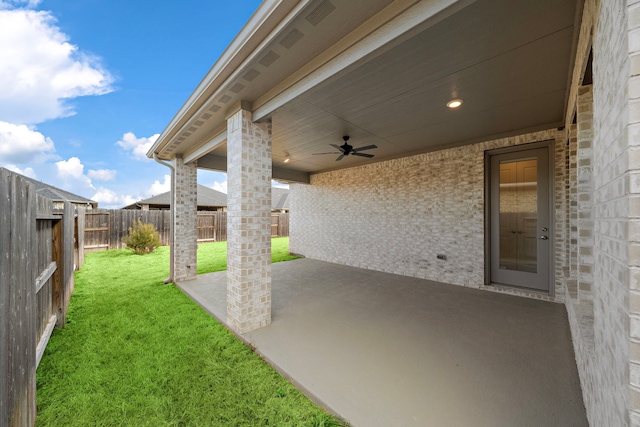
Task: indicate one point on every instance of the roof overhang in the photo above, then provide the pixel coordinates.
(381, 71)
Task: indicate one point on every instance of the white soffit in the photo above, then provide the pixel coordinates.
(314, 33)
(382, 72)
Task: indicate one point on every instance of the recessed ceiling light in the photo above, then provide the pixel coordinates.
(454, 103)
(287, 159)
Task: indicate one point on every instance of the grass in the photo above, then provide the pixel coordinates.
(135, 352)
(213, 256)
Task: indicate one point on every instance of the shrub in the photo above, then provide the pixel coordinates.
(143, 238)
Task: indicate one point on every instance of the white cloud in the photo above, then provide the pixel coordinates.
(159, 188)
(41, 69)
(110, 199)
(72, 171)
(137, 146)
(70, 168)
(104, 195)
(220, 186)
(20, 144)
(102, 174)
(26, 171)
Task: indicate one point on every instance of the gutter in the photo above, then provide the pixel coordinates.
(171, 230)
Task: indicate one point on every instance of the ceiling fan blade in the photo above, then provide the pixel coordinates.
(340, 157)
(368, 147)
(362, 155)
(333, 152)
(337, 147)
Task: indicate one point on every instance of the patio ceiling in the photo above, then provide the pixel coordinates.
(508, 61)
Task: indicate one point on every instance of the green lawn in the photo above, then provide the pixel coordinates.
(136, 352)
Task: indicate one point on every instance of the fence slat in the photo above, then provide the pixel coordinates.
(5, 237)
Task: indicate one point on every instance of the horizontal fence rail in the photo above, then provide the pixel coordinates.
(105, 229)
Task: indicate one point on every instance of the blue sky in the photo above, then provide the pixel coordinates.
(87, 85)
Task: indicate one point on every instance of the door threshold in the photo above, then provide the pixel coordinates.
(521, 292)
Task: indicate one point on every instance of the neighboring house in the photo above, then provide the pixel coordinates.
(208, 200)
(279, 199)
(59, 196)
(530, 187)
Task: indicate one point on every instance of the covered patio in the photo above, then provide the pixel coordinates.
(380, 349)
(528, 187)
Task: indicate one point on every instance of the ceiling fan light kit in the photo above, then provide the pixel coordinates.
(346, 149)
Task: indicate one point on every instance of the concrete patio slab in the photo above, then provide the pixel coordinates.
(385, 350)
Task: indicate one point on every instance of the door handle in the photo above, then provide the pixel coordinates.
(544, 238)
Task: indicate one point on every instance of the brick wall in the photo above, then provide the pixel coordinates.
(631, 137)
(611, 42)
(396, 216)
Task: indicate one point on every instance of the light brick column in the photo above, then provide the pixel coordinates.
(184, 203)
(248, 223)
(585, 193)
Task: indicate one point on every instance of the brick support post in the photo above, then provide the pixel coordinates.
(184, 201)
(248, 223)
(585, 193)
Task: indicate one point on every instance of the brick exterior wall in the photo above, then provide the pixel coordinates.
(185, 211)
(248, 223)
(396, 216)
(631, 138)
(615, 38)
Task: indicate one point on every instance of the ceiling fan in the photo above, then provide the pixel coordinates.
(347, 149)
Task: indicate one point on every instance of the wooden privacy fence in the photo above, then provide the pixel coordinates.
(280, 224)
(104, 229)
(36, 281)
(212, 226)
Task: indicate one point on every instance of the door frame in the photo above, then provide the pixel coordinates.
(488, 154)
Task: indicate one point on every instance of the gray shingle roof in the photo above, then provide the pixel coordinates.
(213, 198)
(54, 193)
(206, 197)
(279, 198)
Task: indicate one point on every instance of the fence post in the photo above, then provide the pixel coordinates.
(68, 249)
(5, 273)
(62, 249)
(79, 236)
(57, 277)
